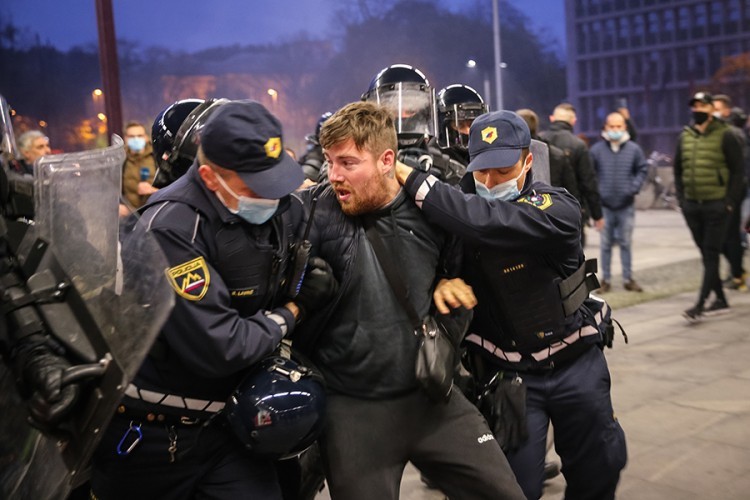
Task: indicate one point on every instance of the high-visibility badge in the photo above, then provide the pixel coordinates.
(541, 201)
(190, 279)
(489, 135)
(273, 147)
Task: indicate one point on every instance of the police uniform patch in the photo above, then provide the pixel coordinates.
(540, 201)
(190, 279)
(273, 147)
(489, 135)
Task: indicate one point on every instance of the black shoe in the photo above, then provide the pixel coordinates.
(551, 469)
(694, 314)
(716, 308)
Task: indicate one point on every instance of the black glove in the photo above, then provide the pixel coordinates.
(415, 158)
(318, 286)
(41, 370)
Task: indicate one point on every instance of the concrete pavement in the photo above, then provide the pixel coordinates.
(681, 392)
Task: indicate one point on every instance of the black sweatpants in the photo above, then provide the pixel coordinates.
(708, 224)
(367, 443)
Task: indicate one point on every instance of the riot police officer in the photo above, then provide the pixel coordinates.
(313, 160)
(226, 227)
(458, 106)
(536, 335)
(174, 135)
(407, 93)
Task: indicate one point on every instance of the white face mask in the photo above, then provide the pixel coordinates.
(505, 191)
(254, 210)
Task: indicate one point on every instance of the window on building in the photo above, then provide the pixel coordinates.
(717, 18)
(682, 56)
(638, 30)
(609, 73)
(653, 28)
(582, 38)
(668, 27)
(624, 32)
(700, 62)
(667, 67)
(700, 20)
(595, 75)
(609, 35)
(580, 8)
(595, 36)
(715, 55)
(683, 23)
(733, 17)
(606, 6)
(636, 70)
(594, 7)
(583, 75)
(746, 17)
(622, 71)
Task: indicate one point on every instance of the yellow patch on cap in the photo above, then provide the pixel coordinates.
(190, 279)
(489, 135)
(273, 147)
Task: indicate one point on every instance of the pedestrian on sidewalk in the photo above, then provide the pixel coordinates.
(708, 170)
(621, 169)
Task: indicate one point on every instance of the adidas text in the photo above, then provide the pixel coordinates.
(485, 438)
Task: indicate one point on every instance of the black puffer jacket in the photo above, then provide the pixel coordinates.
(561, 135)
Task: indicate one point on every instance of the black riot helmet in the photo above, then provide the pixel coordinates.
(277, 410)
(314, 139)
(407, 93)
(175, 136)
(458, 106)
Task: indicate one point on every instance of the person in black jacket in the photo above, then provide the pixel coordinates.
(225, 227)
(536, 336)
(560, 170)
(364, 343)
(561, 135)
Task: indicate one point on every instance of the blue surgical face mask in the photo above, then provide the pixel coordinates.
(615, 135)
(136, 144)
(505, 191)
(254, 210)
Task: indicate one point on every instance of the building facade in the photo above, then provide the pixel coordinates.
(651, 56)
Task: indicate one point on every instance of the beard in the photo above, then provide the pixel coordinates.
(368, 197)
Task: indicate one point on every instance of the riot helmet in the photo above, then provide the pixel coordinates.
(405, 91)
(175, 136)
(458, 106)
(313, 139)
(277, 410)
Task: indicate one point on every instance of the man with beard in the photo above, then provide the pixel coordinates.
(364, 343)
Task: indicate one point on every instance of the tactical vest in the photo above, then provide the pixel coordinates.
(532, 302)
(704, 169)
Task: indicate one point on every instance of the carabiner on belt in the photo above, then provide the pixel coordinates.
(134, 435)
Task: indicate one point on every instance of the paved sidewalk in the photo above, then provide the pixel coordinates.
(681, 392)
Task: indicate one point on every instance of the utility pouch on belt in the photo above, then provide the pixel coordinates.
(503, 403)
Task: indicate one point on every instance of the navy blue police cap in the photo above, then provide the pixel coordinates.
(496, 140)
(245, 137)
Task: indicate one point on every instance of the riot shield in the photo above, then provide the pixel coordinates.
(540, 152)
(8, 149)
(106, 304)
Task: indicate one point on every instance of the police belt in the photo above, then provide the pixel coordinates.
(159, 407)
(516, 357)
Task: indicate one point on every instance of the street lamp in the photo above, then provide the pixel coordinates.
(274, 95)
(102, 117)
(472, 64)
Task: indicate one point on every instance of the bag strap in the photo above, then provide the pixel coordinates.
(391, 273)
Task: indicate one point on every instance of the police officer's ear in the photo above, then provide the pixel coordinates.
(208, 176)
(529, 162)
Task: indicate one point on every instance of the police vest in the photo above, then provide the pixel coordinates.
(533, 304)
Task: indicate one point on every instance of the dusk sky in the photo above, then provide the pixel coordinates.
(174, 25)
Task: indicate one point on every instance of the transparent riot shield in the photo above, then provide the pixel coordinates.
(8, 149)
(103, 300)
(540, 152)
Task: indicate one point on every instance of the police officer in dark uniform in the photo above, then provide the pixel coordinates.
(313, 160)
(458, 106)
(536, 335)
(226, 227)
(406, 92)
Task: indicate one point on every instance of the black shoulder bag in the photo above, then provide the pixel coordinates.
(436, 358)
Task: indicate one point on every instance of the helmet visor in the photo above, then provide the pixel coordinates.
(411, 104)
